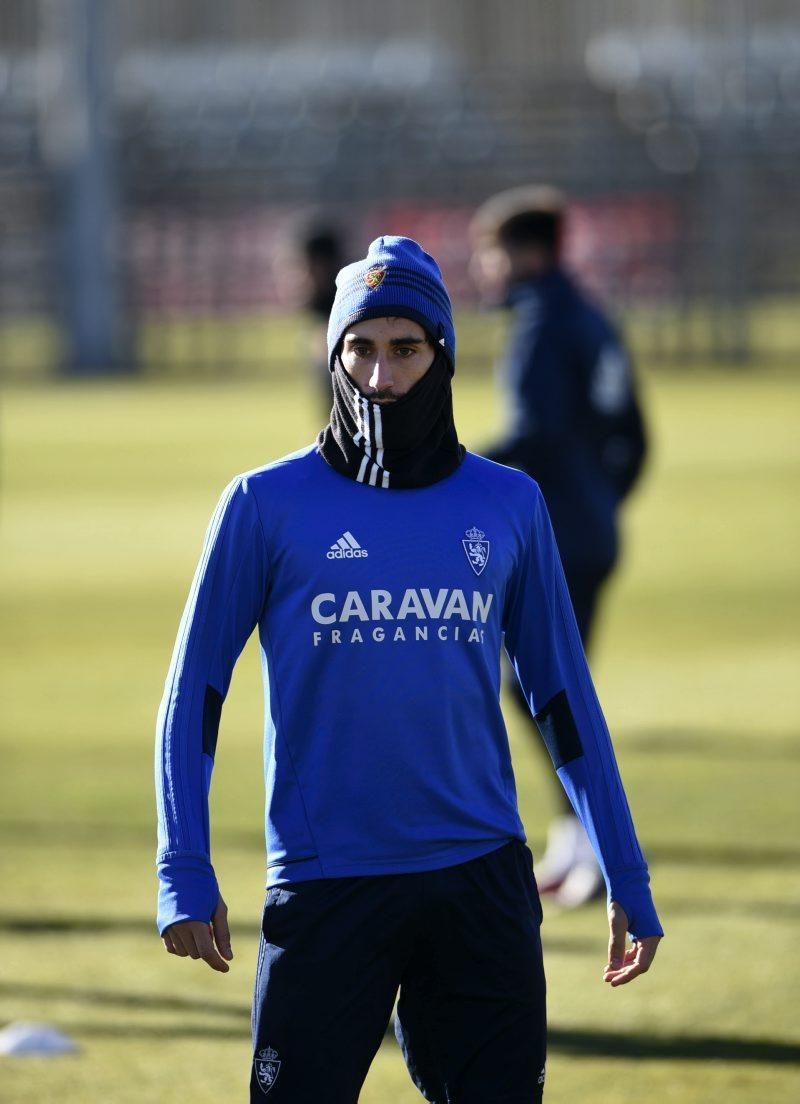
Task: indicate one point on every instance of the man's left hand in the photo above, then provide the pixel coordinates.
(626, 963)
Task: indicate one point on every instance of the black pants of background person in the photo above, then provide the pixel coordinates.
(462, 947)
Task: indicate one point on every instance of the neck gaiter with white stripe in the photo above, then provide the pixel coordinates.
(411, 442)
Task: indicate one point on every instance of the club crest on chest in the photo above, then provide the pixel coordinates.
(476, 549)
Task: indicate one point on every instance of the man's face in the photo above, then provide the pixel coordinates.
(490, 268)
(495, 267)
(385, 357)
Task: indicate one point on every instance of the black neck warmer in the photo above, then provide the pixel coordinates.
(411, 442)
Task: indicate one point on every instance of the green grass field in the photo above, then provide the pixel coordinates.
(106, 492)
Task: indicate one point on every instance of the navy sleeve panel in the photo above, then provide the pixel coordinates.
(558, 730)
(223, 607)
(548, 658)
(212, 713)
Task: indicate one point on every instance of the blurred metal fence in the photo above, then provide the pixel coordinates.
(679, 145)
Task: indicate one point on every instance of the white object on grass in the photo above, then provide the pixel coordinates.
(35, 1038)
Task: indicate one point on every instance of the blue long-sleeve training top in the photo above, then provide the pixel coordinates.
(381, 616)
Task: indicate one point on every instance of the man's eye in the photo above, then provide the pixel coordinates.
(361, 350)
(406, 351)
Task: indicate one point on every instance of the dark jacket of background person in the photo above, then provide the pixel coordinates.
(573, 421)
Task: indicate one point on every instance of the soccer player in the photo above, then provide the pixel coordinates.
(304, 269)
(574, 424)
(385, 567)
(320, 255)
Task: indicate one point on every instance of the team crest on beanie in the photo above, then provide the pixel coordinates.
(373, 278)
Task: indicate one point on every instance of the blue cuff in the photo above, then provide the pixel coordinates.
(631, 890)
(188, 890)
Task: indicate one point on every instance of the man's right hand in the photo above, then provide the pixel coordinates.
(194, 939)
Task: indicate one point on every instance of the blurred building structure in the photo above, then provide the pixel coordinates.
(673, 125)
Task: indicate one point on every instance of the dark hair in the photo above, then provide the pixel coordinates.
(529, 215)
(532, 228)
(322, 244)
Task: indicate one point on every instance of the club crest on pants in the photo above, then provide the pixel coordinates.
(267, 1066)
(477, 549)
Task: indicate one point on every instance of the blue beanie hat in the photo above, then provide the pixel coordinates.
(396, 279)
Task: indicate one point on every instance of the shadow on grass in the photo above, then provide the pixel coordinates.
(99, 925)
(584, 1044)
(578, 1042)
(33, 833)
(81, 833)
(760, 910)
(738, 855)
(110, 998)
(733, 747)
(92, 925)
(23, 926)
(691, 1048)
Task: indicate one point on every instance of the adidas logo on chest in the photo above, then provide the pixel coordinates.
(346, 548)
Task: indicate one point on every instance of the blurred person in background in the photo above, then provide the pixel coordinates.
(384, 567)
(305, 270)
(573, 423)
